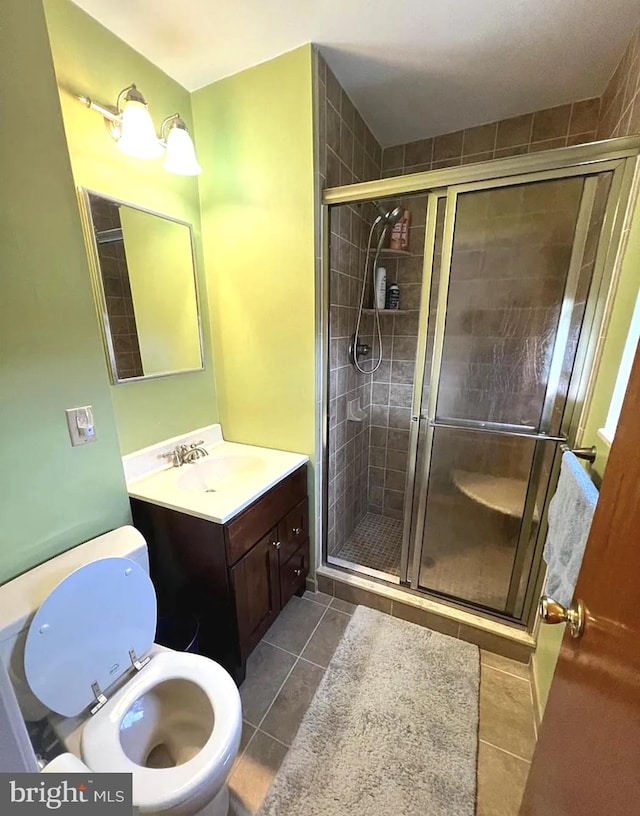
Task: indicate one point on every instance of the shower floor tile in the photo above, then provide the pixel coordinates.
(375, 543)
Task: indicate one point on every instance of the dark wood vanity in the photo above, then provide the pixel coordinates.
(235, 577)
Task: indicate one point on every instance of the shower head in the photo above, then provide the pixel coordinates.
(388, 217)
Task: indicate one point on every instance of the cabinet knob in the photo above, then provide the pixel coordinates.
(276, 544)
(298, 572)
(297, 530)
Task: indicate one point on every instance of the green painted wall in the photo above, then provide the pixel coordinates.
(550, 637)
(254, 141)
(53, 496)
(91, 60)
(617, 331)
(160, 265)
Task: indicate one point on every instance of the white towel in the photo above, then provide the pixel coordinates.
(570, 515)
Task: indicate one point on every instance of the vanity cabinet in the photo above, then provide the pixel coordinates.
(235, 577)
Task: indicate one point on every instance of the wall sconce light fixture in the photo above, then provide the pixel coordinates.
(180, 154)
(131, 126)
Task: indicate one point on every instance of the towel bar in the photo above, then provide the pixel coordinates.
(582, 453)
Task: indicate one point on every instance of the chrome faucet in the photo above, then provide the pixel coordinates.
(193, 452)
(183, 454)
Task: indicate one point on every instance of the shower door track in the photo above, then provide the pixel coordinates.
(620, 157)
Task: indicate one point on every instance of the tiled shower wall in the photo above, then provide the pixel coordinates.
(347, 153)
(543, 130)
(392, 383)
(620, 108)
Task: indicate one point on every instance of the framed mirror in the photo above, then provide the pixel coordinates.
(144, 273)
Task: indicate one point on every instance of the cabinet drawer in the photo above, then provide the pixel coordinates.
(293, 530)
(253, 523)
(294, 572)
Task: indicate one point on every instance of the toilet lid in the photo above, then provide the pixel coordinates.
(83, 632)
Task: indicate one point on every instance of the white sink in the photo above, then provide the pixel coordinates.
(216, 487)
(218, 473)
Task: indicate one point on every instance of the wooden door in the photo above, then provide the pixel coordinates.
(256, 586)
(587, 761)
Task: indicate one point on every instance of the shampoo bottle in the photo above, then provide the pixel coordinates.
(393, 296)
(381, 287)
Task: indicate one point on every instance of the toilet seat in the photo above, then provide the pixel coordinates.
(162, 788)
(83, 635)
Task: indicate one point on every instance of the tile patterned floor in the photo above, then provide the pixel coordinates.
(375, 543)
(283, 674)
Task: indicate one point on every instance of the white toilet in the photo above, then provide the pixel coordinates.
(121, 703)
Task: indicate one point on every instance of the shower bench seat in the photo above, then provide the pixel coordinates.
(502, 494)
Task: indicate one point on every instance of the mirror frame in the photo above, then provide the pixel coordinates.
(98, 285)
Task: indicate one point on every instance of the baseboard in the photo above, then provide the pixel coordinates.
(535, 693)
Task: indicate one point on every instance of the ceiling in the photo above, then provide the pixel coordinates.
(413, 68)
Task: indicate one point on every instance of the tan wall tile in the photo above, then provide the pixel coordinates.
(551, 123)
(495, 643)
(325, 584)
(418, 152)
(581, 138)
(507, 152)
(393, 158)
(355, 595)
(480, 139)
(514, 131)
(452, 162)
(448, 146)
(548, 144)
(414, 614)
(477, 157)
(417, 168)
(584, 116)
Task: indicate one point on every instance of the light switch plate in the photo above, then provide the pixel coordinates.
(76, 435)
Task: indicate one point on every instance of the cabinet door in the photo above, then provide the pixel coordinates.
(256, 584)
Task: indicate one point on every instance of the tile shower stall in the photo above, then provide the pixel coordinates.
(442, 456)
(369, 508)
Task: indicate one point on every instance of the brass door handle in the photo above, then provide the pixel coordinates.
(552, 612)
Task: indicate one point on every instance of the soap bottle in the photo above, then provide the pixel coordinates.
(404, 230)
(396, 235)
(381, 287)
(393, 296)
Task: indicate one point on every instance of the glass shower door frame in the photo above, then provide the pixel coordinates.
(423, 424)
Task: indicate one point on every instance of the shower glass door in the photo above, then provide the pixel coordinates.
(516, 269)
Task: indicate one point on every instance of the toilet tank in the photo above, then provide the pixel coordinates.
(21, 597)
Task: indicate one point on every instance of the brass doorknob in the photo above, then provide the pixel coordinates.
(552, 612)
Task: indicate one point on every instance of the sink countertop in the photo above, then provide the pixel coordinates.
(265, 468)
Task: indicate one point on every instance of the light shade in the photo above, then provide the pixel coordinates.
(137, 133)
(181, 155)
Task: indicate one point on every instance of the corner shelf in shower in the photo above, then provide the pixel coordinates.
(394, 253)
(389, 311)
(498, 493)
